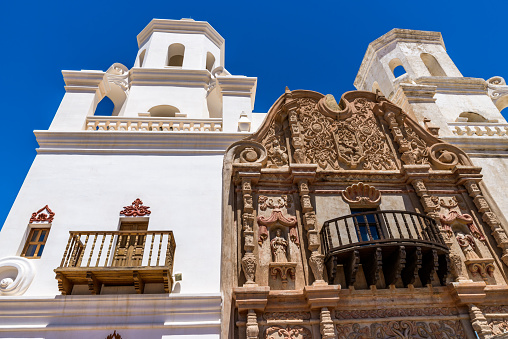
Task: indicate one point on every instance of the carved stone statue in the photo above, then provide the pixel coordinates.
(279, 247)
(467, 244)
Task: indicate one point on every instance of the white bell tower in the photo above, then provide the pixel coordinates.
(431, 86)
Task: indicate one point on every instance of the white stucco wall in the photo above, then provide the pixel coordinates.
(87, 192)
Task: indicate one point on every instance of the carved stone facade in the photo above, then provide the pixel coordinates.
(387, 214)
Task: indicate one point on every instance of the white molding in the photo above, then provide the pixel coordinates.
(180, 26)
(126, 311)
(135, 143)
(170, 77)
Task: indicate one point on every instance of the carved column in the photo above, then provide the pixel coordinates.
(316, 260)
(479, 322)
(489, 217)
(252, 328)
(249, 260)
(326, 324)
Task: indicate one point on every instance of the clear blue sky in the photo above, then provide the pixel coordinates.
(315, 45)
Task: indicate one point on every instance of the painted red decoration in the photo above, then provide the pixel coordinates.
(136, 209)
(39, 216)
(465, 219)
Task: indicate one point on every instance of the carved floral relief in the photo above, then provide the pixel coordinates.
(403, 329)
(287, 332)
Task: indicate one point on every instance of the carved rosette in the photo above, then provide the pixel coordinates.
(362, 195)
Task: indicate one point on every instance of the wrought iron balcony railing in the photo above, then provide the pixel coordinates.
(117, 258)
(399, 244)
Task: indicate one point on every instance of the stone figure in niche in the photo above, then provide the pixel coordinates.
(467, 244)
(279, 247)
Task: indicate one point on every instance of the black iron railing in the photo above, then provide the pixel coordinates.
(379, 227)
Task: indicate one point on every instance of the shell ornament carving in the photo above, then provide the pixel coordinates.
(361, 194)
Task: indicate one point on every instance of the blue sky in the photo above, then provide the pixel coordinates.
(303, 45)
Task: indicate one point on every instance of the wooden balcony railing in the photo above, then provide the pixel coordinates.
(117, 258)
(400, 244)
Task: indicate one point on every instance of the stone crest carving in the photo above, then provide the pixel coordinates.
(136, 209)
(288, 332)
(403, 329)
(43, 215)
(361, 194)
(274, 203)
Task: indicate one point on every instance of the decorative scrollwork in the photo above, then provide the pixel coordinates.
(136, 209)
(403, 329)
(40, 216)
(288, 332)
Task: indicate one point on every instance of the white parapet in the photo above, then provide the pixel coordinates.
(153, 124)
(478, 129)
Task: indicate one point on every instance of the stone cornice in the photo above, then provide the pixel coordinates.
(455, 85)
(180, 26)
(387, 40)
(82, 81)
(170, 77)
(135, 143)
(480, 146)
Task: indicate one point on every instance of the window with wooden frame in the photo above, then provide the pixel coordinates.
(35, 243)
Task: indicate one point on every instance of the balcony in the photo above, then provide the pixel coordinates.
(119, 258)
(391, 246)
(150, 124)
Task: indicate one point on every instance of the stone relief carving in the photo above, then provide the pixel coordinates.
(484, 267)
(274, 203)
(403, 329)
(361, 194)
(249, 263)
(326, 324)
(16, 275)
(288, 332)
(465, 219)
(40, 216)
(136, 209)
(275, 144)
(467, 244)
(279, 246)
(449, 203)
(277, 218)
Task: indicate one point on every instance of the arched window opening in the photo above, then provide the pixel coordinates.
(165, 111)
(175, 55)
(142, 58)
(210, 61)
(397, 68)
(105, 107)
(504, 113)
(432, 65)
(472, 117)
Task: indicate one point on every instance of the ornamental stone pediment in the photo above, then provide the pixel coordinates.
(364, 131)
